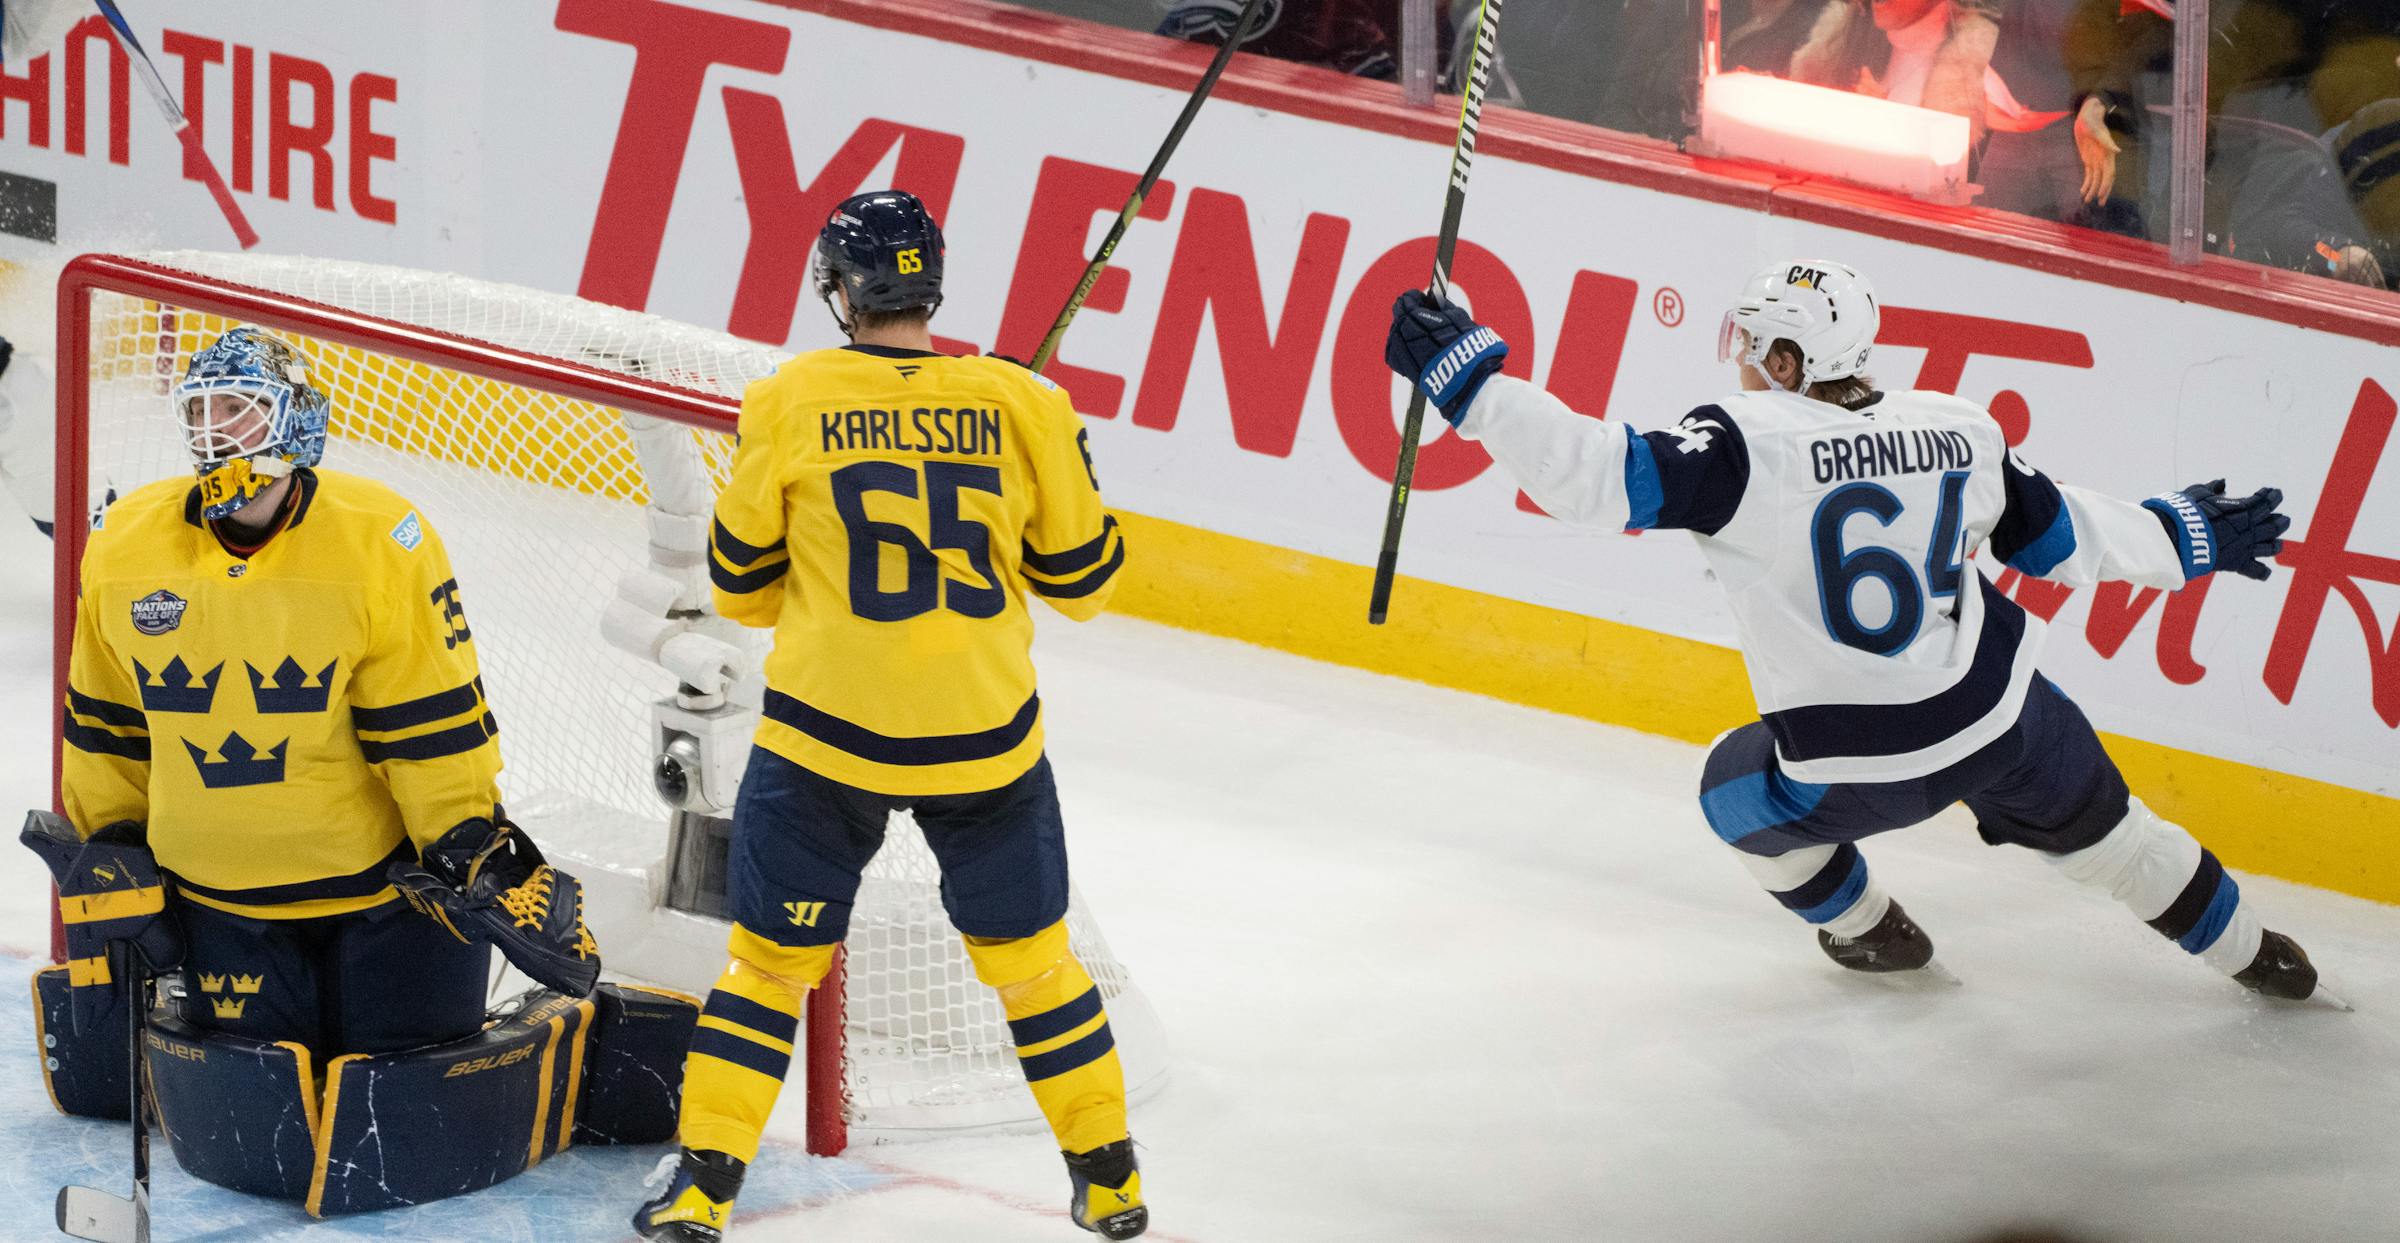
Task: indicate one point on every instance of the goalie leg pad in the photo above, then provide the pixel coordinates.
(633, 1065)
(85, 1072)
(239, 1113)
(408, 1128)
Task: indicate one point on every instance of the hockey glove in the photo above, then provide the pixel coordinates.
(488, 882)
(109, 889)
(2213, 531)
(1443, 351)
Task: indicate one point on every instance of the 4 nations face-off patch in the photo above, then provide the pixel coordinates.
(159, 612)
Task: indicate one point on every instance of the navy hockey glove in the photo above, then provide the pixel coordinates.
(2213, 531)
(487, 882)
(109, 889)
(1443, 351)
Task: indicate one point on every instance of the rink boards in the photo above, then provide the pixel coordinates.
(1230, 365)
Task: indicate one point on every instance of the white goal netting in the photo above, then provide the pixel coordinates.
(546, 503)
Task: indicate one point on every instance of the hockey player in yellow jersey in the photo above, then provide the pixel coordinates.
(889, 510)
(273, 685)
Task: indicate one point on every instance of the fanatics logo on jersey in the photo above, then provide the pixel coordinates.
(907, 372)
(409, 533)
(158, 612)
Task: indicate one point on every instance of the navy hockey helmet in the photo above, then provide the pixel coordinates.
(883, 251)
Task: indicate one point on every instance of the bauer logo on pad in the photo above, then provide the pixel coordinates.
(158, 612)
(409, 533)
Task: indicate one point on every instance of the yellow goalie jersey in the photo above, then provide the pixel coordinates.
(288, 723)
(888, 511)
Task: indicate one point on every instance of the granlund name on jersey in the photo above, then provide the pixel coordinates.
(1845, 540)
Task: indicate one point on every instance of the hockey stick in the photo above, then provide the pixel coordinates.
(89, 1213)
(1141, 192)
(185, 131)
(1462, 159)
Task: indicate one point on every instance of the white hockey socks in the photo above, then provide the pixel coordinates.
(1828, 886)
(2173, 883)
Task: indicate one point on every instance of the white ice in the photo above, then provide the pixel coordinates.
(1440, 968)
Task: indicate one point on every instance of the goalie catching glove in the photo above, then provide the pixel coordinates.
(487, 882)
(109, 889)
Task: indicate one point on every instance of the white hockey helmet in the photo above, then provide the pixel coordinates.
(1825, 309)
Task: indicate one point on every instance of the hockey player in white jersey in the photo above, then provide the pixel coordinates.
(1892, 679)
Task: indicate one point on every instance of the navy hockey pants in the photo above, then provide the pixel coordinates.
(2046, 783)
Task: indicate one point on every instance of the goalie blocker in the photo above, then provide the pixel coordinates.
(547, 1072)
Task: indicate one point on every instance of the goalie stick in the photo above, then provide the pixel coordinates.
(87, 1212)
(1462, 160)
(185, 132)
(1141, 191)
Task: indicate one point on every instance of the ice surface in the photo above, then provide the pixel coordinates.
(1438, 968)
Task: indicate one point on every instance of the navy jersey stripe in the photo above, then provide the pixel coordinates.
(1829, 881)
(410, 713)
(866, 744)
(99, 741)
(457, 740)
(733, 548)
(1084, 586)
(1828, 731)
(2035, 532)
(105, 711)
(1703, 468)
(1074, 560)
(740, 584)
(359, 884)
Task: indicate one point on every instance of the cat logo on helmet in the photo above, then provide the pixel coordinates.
(1804, 278)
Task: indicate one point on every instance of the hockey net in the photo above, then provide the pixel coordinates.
(547, 438)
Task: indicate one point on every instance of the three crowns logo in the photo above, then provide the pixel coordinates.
(173, 690)
(243, 764)
(290, 693)
(244, 987)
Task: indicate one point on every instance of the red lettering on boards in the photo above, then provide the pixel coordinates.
(1215, 274)
(674, 48)
(2324, 565)
(1050, 261)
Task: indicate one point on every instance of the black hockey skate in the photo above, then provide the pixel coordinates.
(1108, 1191)
(2282, 971)
(1894, 945)
(698, 1204)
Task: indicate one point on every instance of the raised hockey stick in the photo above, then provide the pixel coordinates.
(1141, 192)
(87, 1212)
(185, 132)
(1454, 205)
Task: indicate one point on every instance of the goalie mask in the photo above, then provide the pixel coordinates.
(1825, 309)
(249, 417)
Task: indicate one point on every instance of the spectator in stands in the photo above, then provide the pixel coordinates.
(1357, 37)
(2284, 75)
(2367, 148)
(1933, 53)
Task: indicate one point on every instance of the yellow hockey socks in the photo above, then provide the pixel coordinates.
(1061, 1033)
(743, 1045)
